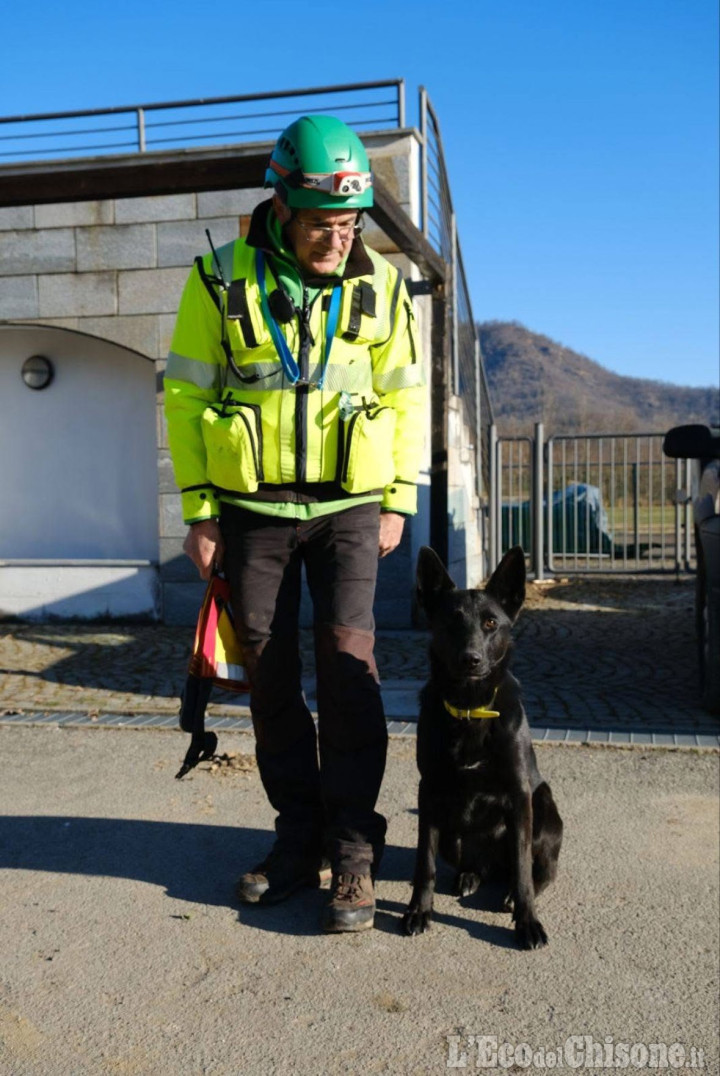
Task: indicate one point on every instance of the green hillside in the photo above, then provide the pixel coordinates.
(535, 379)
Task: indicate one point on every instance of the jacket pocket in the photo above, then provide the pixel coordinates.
(244, 323)
(233, 442)
(367, 458)
(360, 320)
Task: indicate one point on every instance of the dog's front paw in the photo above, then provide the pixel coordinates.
(530, 933)
(416, 921)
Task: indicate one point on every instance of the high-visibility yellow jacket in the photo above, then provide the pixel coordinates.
(239, 429)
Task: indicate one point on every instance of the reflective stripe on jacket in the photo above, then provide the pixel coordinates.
(246, 431)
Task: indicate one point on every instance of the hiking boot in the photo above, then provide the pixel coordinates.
(352, 903)
(279, 875)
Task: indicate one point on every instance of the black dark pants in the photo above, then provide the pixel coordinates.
(325, 786)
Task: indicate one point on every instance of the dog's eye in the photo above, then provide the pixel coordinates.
(489, 623)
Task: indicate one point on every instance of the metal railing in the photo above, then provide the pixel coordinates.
(608, 502)
(251, 118)
(440, 228)
(257, 117)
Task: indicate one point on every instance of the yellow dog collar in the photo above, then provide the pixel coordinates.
(480, 711)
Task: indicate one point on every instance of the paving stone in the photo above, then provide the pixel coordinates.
(587, 688)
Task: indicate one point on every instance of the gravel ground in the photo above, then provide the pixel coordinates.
(123, 952)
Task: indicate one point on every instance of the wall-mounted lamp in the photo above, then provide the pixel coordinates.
(37, 372)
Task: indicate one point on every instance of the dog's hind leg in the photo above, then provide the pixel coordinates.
(419, 912)
(547, 838)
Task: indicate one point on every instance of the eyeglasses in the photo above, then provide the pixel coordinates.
(322, 233)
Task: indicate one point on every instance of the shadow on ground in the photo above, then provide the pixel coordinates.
(147, 851)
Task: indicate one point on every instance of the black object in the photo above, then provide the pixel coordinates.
(239, 310)
(281, 306)
(203, 745)
(702, 443)
(693, 442)
(471, 755)
(218, 266)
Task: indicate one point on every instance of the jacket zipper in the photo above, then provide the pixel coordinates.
(301, 391)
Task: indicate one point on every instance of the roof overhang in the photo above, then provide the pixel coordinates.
(180, 171)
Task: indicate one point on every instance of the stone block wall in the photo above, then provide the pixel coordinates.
(115, 269)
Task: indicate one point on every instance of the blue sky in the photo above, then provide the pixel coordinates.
(581, 136)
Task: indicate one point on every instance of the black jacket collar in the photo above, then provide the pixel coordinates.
(357, 264)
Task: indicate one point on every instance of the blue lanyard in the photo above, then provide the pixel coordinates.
(289, 365)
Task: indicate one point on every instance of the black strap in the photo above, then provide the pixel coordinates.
(238, 310)
(353, 329)
(210, 282)
(368, 299)
(203, 744)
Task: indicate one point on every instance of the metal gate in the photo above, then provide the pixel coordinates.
(604, 502)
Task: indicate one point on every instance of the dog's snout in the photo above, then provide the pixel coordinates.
(470, 660)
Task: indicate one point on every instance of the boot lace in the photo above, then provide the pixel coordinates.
(348, 887)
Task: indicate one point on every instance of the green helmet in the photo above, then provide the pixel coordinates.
(319, 163)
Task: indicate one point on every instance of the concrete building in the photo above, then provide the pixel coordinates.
(90, 284)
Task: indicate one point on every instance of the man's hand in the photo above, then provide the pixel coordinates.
(391, 528)
(205, 547)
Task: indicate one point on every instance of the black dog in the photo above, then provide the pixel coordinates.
(482, 802)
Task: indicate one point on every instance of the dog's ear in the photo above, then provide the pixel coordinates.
(507, 583)
(431, 579)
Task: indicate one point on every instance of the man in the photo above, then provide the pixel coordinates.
(295, 407)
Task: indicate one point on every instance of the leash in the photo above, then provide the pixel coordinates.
(478, 711)
(287, 359)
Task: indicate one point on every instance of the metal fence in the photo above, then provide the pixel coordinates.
(440, 227)
(209, 121)
(606, 502)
